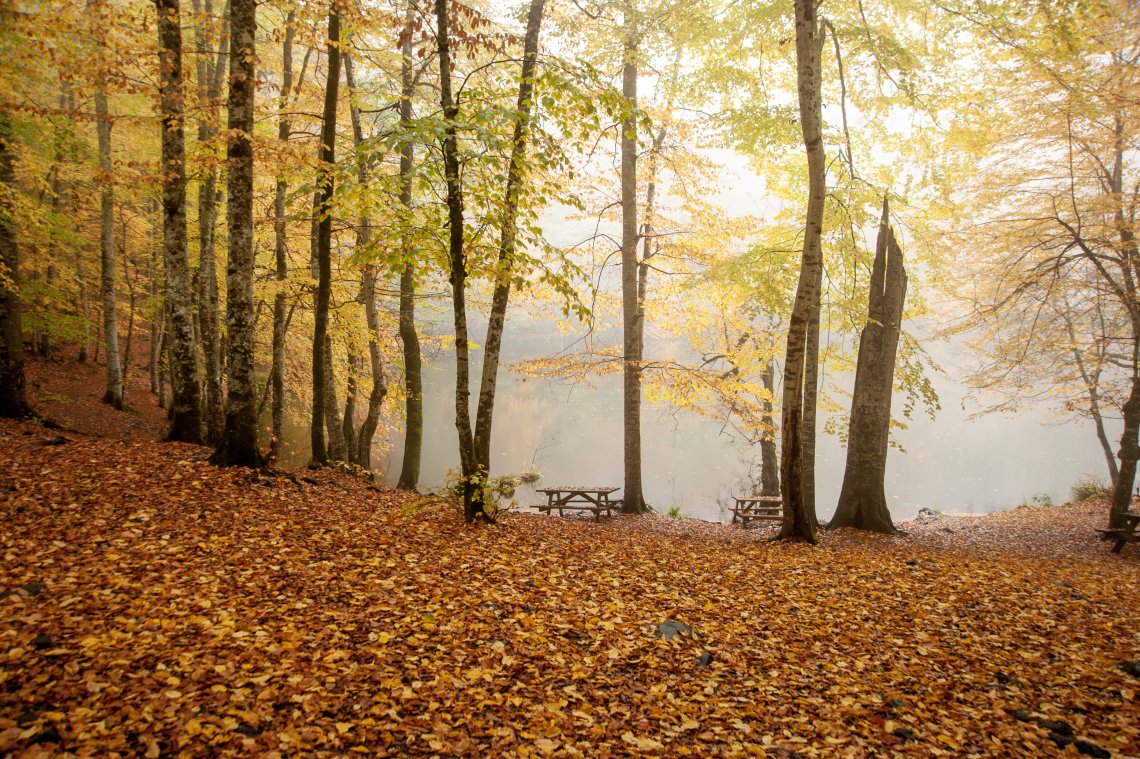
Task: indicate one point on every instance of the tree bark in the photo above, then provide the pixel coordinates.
(862, 499)
(210, 92)
(633, 501)
(473, 480)
(507, 243)
(799, 516)
(239, 442)
(186, 411)
(114, 393)
(409, 339)
(13, 394)
(322, 210)
(360, 447)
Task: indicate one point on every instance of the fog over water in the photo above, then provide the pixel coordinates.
(572, 434)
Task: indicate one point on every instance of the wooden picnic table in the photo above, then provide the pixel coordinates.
(577, 498)
(1126, 534)
(757, 507)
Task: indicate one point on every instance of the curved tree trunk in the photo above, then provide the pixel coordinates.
(473, 480)
(186, 411)
(1129, 440)
(239, 443)
(360, 448)
(507, 243)
(322, 210)
(862, 500)
(13, 396)
(799, 516)
(409, 339)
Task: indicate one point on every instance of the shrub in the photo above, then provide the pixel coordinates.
(675, 512)
(1088, 486)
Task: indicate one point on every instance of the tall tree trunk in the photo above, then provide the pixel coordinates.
(157, 324)
(13, 395)
(799, 516)
(633, 499)
(210, 75)
(186, 411)
(473, 480)
(360, 446)
(409, 339)
(114, 393)
(507, 243)
(84, 308)
(322, 210)
(132, 298)
(348, 424)
(769, 465)
(862, 499)
(281, 247)
(239, 442)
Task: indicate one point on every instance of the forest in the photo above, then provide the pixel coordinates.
(224, 221)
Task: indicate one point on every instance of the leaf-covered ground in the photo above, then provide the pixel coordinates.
(157, 606)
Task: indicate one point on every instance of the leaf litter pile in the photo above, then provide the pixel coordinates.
(153, 605)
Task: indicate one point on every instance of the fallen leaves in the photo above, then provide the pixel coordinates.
(202, 611)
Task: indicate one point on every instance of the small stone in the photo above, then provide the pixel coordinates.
(895, 703)
(1131, 667)
(57, 440)
(1005, 679)
(911, 562)
(528, 583)
(905, 734)
(705, 659)
(40, 642)
(1021, 715)
(670, 628)
(1059, 727)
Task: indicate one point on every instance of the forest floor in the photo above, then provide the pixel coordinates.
(151, 604)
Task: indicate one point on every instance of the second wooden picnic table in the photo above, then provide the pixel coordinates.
(759, 507)
(578, 498)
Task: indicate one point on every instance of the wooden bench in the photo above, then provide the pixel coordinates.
(596, 500)
(1125, 534)
(757, 508)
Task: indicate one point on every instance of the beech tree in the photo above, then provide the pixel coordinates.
(186, 412)
(322, 210)
(862, 500)
(238, 446)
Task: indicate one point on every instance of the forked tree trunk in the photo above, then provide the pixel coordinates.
(862, 500)
(473, 481)
(633, 501)
(322, 210)
(13, 395)
(799, 517)
(239, 443)
(409, 338)
(507, 243)
(186, 411)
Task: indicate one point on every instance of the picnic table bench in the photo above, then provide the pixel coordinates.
(757, 507)
(1125, 534)
(577, 498)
